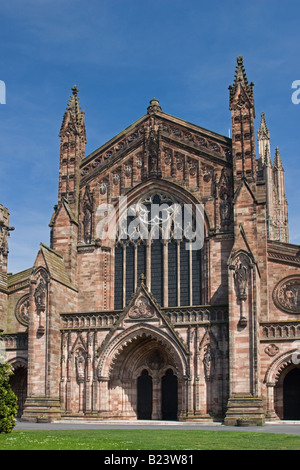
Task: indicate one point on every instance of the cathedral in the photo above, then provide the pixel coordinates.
(185, 308)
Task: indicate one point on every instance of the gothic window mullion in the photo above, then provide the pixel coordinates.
(130, 270)
(124, 275)
(172, 274)
(165, 289)
(135, 271)
(119, 277)
(141, 260)
(148, 264)
(190, 274)
(178, 273)
(184, 274)
(157, 277)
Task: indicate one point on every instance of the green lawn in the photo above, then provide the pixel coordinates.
(147, 440)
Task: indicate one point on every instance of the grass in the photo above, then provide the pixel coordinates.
(147, 440)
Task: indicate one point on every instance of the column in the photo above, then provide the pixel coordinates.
(270, 412)
(156, 397)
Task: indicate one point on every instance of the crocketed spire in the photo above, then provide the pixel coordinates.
(73, 119)
(240, 80)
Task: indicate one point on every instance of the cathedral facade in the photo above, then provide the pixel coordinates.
(170, 289)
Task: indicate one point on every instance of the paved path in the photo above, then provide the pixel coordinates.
(284, 427)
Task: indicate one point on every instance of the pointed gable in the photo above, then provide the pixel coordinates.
(241, 245)
(53, 262)
(143, 310)
(148, 140)
(63, 210)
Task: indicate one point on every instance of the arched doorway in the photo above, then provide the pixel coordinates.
(144, 396)
(18, 383)
(134, 368)
(291, 395)
(169, 389)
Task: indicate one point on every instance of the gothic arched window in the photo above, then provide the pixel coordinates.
(151, 241)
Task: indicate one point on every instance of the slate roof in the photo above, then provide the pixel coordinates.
(56, 266)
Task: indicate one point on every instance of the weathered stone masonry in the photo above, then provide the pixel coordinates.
(143, 328)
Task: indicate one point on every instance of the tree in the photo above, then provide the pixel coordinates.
(8, 400)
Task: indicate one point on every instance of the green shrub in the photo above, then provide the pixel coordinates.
(8, 400)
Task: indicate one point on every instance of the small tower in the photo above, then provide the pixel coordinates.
(265, 164)
(280, 222)
(72, 151)
(64, 221)
(264, 143)
(241, 105)
(4, 234)
(273, 175)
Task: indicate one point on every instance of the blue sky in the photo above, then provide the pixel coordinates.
(120, 54)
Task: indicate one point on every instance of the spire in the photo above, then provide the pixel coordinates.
(73, 119)
(241, 105)
(267, 157)
(264, 142)
(72, 151)
(241, 82)
(263, 130)
(277, 160)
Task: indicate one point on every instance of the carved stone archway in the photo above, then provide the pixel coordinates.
(142, 352)
(274, 380)
(18, 383)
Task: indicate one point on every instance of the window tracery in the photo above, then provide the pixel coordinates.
(151, 240)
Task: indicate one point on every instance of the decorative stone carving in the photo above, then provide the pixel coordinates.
(168, 156)
(152, 146)
(141, 309)
(87, 226)
(22, 310)
(4, 230)
(80, 362)
(241, 279)
(207, 172)
(271, 350)
(241, 268)
(116, 178)
(87, 221)
(225, 209)
(156, 360)
(209, 363)
(225, 193)
(128, 170)
(154, 106)
(103, 188)
(286, 295)
(193, 168)
(40, 295)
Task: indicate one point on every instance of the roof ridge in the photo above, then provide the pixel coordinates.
(51, 249)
